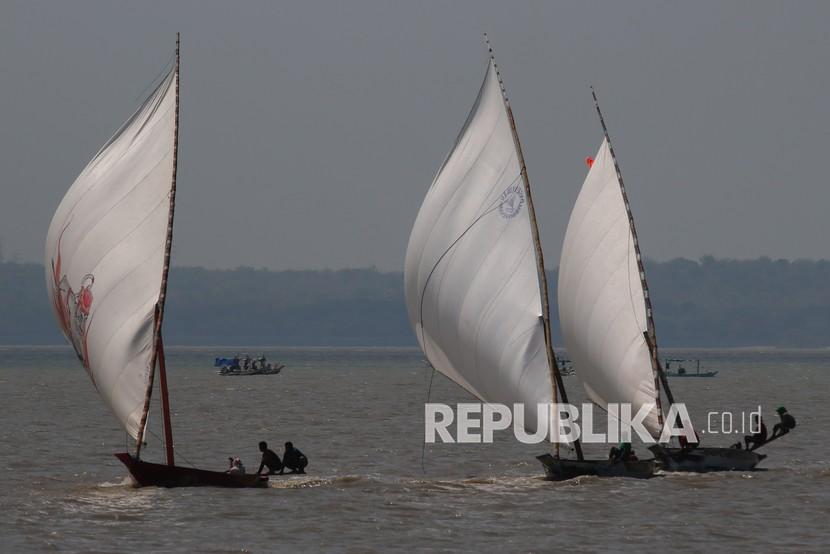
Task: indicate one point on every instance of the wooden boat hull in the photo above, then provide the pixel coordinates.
(560, 470)
(702, 460)
(245, 372)
(701, 374)
(147, 474)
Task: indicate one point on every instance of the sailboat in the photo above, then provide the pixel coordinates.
(606, 314)
(107, 263)
(475, 284)
(682, 372)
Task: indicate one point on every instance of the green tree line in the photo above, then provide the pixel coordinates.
(708, 302)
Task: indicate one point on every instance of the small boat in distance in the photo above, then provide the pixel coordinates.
(245, 365)
(566, 367)
(107, 263)
(682, 372)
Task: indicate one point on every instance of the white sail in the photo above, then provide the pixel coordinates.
(601, 302)
(471, 282)
(105, 254)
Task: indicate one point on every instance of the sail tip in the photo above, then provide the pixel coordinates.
(487, 43)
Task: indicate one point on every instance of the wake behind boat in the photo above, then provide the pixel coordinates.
(705, 459)
(107, 259)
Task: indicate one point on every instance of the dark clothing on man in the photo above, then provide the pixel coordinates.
(787, 423)
(623, 453)
(271, 461)
(686, 444)
(756, 439)
(294, 460)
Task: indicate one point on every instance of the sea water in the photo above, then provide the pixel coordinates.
(358, 414)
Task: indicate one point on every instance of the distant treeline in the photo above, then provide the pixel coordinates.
(709, 302)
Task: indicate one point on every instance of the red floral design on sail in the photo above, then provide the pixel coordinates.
(60, 302)
(73, 309)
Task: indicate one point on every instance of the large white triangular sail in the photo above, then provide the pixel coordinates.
(602, 309)
(471, 281)
(105, 254)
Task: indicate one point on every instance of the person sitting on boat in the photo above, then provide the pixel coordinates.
(293, 459)
(269, 460)
(759, 437)
(623, 453)
(685, 443)
(235, 466)
(786, 424)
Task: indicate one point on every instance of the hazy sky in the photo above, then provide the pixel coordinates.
(311, 131)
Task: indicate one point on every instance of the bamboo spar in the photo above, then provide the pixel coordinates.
(556, 376)
(649, 335)
(157, 346)
(165, 405)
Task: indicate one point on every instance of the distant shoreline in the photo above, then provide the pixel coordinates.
(760, 304)
(561, 349)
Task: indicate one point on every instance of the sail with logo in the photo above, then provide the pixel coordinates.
(475, 283)
(471, 281)
(107, 261)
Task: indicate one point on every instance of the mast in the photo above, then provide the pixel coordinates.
(158, 348)
(650, 334)
(557, 383)
(165, 404)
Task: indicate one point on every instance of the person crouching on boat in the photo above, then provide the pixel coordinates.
(686, 444)
(759, 437)
(269, 460)
(622, 454)
(786, 424)
(293, 459)
(235, 466)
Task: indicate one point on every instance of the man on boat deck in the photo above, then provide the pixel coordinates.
(786, 424)
(293, 459)
(235, 466)
(760, 436)
(624, 453)
(685, 443)
(269, 460)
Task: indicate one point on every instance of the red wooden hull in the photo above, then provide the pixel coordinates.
(147, 474)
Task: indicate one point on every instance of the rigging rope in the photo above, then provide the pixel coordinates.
(178, 452)
(157, 79)
(424, 443)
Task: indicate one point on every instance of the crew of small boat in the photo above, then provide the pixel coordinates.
(292, 459)
(246, 365)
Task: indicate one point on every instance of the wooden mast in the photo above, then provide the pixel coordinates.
(165, 405)
(158, 347)
(650, 334)
(555, 374)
